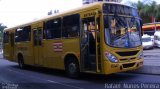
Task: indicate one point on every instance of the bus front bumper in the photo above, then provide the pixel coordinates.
(110, 68)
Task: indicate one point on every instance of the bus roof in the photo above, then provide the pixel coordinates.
(84, 7)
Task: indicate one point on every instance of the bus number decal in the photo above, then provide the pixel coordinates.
(58, 47)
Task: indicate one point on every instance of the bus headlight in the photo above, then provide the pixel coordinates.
(141, 55)
(111, 57)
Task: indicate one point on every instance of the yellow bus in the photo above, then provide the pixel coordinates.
(101, 38)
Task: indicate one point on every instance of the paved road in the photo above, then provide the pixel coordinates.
(152, 57)
(40, 78)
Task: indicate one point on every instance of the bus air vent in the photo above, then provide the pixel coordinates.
(128, 59)
(128, 53)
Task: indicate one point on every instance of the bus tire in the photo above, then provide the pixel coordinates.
(21, 62)
(72, 68)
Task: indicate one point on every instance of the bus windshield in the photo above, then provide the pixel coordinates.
(122, 26)
(121, 31)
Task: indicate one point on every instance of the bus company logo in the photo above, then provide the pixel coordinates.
(58, 47)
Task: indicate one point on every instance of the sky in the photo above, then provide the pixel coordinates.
(15, 12)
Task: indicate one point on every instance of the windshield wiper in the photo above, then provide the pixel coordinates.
(119, 20)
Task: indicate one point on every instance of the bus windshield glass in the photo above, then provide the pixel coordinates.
(123, 29)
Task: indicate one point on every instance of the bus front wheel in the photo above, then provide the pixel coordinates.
(72, 68)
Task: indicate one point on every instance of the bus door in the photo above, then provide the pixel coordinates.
(11, 35)
(90, 40)
(37, 38)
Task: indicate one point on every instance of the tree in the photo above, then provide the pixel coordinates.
(2, 27)
(147, 9)
(151, 9)
(139, 5)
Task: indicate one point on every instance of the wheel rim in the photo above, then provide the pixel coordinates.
(72, 68)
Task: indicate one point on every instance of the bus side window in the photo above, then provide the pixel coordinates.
(23, 34)
(35, 37)
(71, 26)
(40, 37)
(53, 29)
(6, 37)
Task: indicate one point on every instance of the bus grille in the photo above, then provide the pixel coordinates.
(128, 65)
(129, 53)
(128, 59)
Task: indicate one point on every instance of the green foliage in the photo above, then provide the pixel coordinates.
(2, 27)
(147, 8)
